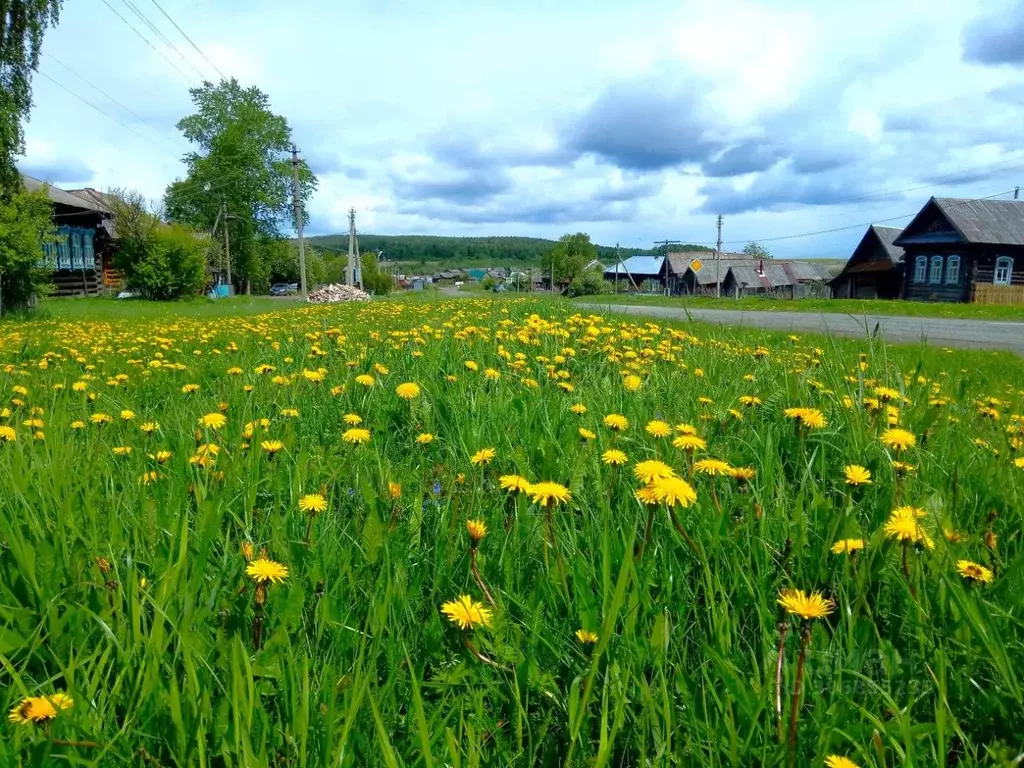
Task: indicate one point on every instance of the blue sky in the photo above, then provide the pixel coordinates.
(631, 121)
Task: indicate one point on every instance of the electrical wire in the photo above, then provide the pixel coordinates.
(147, 42)
(156, 31)
(198, 49)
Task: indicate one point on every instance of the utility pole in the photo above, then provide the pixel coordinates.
(718, 260)
(1016, 193)
(350, 275)
(227, 243)
(618, 260)
(297, 205)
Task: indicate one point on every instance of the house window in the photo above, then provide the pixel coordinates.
(936, 272)
(76, 249)
(953, 270)
(1004, 270)
(88, 251)
(63, 249)
(920, 268)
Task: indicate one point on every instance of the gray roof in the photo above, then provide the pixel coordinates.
(887, 236)
(774, 275)
(638, 265)
(679, 261)
(63, 197)
(987, 222)
(706, 276)
(806, 271)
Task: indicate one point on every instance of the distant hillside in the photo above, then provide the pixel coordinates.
(461, 251)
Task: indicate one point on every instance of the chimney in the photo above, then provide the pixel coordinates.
(760, 268)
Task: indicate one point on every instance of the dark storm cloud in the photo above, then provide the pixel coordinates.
(461, 188)
(632, 126)
(62, 171)
(743, 158)
(996, 38)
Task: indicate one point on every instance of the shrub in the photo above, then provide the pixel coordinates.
(25, 227)
(588, 283)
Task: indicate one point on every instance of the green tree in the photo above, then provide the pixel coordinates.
(589, 282)
(283, 263)
(160, 261)
(374, 281)
(25, 227)
(755, 250)
(243, 161)
(22, 23)
(569, 257)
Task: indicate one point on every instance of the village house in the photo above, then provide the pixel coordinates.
(965, 251)
(639, 273)
(81, 257)
(875, 270)
(684, 280)
(776, 279)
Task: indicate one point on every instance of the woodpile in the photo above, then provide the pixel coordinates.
(332, 294)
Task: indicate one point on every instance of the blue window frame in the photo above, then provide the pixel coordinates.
(1004, 271)
(88, 248)
(936, 272)
(953, 270)
(920, 269)
(63, 249)
(75, 236)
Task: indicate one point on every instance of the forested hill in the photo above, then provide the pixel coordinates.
(454, 251)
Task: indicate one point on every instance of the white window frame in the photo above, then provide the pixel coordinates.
(920, 269)
(935, 270)
(1003, 262)
(953, 269)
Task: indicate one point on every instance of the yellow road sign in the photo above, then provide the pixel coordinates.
(696, 264)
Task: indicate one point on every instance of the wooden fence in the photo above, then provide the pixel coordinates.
(998, 294)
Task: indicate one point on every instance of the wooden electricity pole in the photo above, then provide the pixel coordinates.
(297, 204)
(718, 260)
(350, 267)
(227, 243)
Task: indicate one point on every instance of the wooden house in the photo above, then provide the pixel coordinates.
(776, 279)
(647, 273)
(875, 270)
(965, 250)
(82, 255)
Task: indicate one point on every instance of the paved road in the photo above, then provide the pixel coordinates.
(942, 332)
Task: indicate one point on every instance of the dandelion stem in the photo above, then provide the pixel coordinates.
(554, 545)
(479, 578)
(783, 631)
(488, 661)
(309, 529)
(683, 533)
(647, 532)
(805, 638)
(71, 743)
(906, 572)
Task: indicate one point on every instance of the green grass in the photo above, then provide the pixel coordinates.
(114, 309)
(350, 661)
(842, 306)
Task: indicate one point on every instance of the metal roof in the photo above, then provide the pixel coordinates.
(887, 236)
(986, 222)
(706, 276)
(638, 265)
(62, 197)
(747, 275)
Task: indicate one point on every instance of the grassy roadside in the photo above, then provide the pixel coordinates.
(834, 306)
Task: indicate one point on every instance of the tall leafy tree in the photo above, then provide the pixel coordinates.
(567, 259)
(22, 23)
(242, 160)
(755, 250)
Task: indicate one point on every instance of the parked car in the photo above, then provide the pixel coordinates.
(284, 289)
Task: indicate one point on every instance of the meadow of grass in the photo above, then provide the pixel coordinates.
(1008, 312)
(153, 471)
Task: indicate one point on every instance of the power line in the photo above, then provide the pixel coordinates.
(96, 88)
(145, 20)
(147, 42)
(198, 49)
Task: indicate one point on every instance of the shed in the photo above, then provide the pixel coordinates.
(639, 270)
(875, 269)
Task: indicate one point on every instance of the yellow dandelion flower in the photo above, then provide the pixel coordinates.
(650, 470)
(262, 570)
(408, 391)
(658, 428)
(712, 467)
(313, 503)
(614, 457)
(39, 709)
(838, 761)
(127, 415)
(483, 456)
(8, 435)
(898, 439)
(365, 380)
(356, 436)
(632, 383)
(466, 613)
(812, 606)
(586, 637)
(513, 483)
(213, 421)
(974, 571)
(188, 389)
(547, 493)
(690, 443)
(673, 491)
(647, 495)
(424, 438)
(579, 409)
(847, 546)
(616, 421)
(586, 434)
(272, 447)
(477, 529)
(855, 474)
